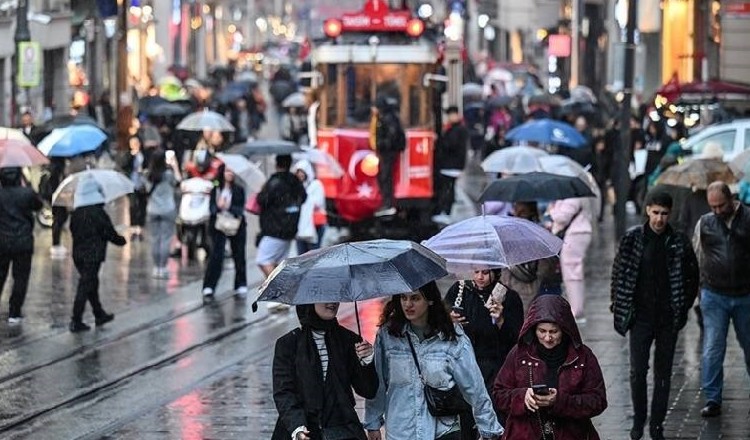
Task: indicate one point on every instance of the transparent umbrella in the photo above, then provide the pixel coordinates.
(113, 185)
(492, 241)
(514, 160)
(205, 120)
(246, 171)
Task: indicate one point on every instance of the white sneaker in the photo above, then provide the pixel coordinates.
(58, 252)
(207, 291)
(241, 292)
(275, 307)
(442, 219)
(385, 212)
(156, 272)
(14, 321)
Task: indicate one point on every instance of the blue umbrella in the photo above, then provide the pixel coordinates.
(72, 141)
(547, 132)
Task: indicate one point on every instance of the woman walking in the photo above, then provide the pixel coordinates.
(315, 368)
(312, 215)
(551, 385)
(163, 176)
(416, 328)
(133, 165)
(227, 199)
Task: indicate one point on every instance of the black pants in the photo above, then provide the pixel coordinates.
(59, 217)
(21, 270)
(88, 290)
(385, 176)
(642, 335)
(138, 202)
(445, 193)
(216, 258)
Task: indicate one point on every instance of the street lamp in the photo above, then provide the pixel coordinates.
(22, 35)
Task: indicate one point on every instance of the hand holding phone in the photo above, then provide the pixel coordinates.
(540, 390)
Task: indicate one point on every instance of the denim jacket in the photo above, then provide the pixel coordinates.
(400, 399)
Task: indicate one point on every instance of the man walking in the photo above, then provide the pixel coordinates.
(389, 141)
(450, 157)
(17, 206)
(722, 239)
(654, 284)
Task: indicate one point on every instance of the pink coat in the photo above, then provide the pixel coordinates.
(577, 237)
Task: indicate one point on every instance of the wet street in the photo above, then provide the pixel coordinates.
(169, 367)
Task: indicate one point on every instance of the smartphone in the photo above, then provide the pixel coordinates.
(458, 309)
(169, 155)
(540, 390)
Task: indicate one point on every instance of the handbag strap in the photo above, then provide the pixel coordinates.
(414, 355)
(460, 295)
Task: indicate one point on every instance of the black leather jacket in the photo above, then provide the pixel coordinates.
(726, 252)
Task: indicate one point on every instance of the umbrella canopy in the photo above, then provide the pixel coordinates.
(472, 90)
(63, 121)
(514, 160)
(739, 165)
(583, 94)
(20, 153)
(498, 74)
(499, 101)
(535, 186)
(702, 90)
(547, 132)
(167, 109)
(247, 76)
(353, 272)
(205, 120)
(72, 141)
(248, 172)
(12, 133)
(251, 148)
(296, 99)
(325, 164)
(492, 241)
(697, 174)
(232, 92)
(113, 185)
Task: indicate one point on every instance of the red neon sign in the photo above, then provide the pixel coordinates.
(376, 16)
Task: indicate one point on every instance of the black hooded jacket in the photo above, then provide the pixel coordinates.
(17, 206)
(280, 201)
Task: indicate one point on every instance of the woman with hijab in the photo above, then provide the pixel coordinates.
(315, 367)
(416, 327)
(551, 385)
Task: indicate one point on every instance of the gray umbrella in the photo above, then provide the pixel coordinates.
(351, 272)
(251, 148)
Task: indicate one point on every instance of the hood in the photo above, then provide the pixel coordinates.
(307, 168)
(88, 192)
(554, 309)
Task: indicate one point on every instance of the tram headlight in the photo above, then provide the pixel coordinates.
(332, 27)
(370, 165)
(414, 27)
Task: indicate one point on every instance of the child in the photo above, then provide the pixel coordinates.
(91, 229)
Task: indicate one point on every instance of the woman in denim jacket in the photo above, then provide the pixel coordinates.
(446, 359)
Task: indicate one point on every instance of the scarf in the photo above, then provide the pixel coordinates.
(554, 358)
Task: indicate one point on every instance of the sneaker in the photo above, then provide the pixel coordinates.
(15, 320)
(241, 292)
(163, 273)
(712, 409)
(78, 326)
(657, 433)
(275, 307)
(207, 291)
(384, 212)
(441, 219)
(105, 318)
(636, 433)
(156, 272)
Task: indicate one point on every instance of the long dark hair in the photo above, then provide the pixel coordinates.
(438, 319)
(157, 166)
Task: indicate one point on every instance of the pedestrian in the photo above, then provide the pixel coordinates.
(312, 217)
(491, 315)
(17, 205)
(163, 175)
(60, 214)
(571, 221)
(280, 201)
(722, 241)
(91, 229)
(29, 129)
(654, 283)
(133, 164)
(315, 368)
(227, 199)
(388, 139)
(450, 156)
(551, 385)
(416, 328)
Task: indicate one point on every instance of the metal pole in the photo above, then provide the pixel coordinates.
(575, 19)
(23, 34)
(622, 154)
(124, 108)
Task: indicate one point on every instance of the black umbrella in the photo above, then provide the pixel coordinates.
(167, 109)
(63, 121)
(148, 102)
(535, 186)
(499, 101)
(251, 148)
(351, 272)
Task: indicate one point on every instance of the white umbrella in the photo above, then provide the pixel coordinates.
(514, 160)
(205, 120)
(248, 172)
(12, 133)
(113, 185)
(296, 99)
(326, 166)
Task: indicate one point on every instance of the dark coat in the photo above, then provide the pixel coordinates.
(491, 344)
(280, 201)
(297, 385)
(581, 393)
(683, 276)
(91, 229)
(451, 148)
(237, 209)
(17, 206)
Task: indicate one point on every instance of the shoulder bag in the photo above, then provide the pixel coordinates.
(440, 403)
(227, 224)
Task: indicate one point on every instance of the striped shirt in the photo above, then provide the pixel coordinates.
(320, 342)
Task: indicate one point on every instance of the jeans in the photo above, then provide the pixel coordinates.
(21, 270)
(88, 290)
(717, 311)
(385, 176)
(642, 336)
(216, 260)
(303, 246)
(162, 230)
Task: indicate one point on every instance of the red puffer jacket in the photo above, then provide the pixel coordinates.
(581, 394)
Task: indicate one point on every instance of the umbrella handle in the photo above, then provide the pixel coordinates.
(356, 314)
